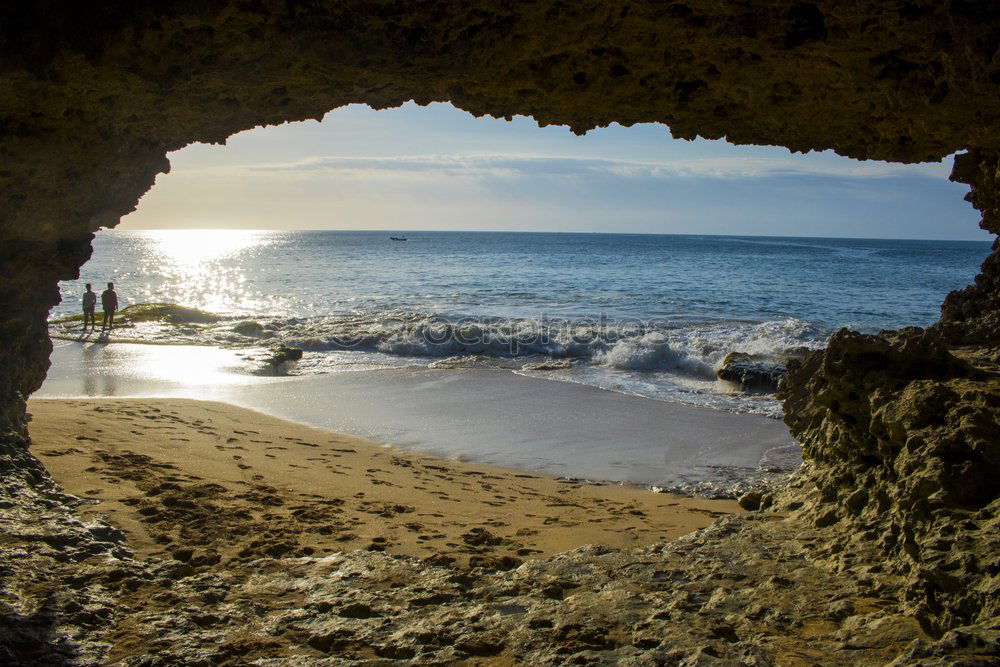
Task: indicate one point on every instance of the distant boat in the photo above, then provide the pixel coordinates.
(397, 238)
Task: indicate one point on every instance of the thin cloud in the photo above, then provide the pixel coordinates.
(512, 166)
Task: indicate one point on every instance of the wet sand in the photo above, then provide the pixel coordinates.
(206, 482)
(494, 417)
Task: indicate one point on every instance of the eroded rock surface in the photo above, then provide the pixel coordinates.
(59, 577)
(903, 439)
(971, 316)
(889, 545)
(747, 590)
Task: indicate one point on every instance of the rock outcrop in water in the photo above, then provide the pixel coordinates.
(896, 503)
(750, 374)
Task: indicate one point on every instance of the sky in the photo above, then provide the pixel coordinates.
(439, 168)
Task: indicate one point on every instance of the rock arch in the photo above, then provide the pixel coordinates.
(92, 100)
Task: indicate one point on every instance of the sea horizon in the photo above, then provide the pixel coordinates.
(124, 229)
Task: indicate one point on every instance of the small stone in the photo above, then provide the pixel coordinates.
(357, 610)
(248, 328)
(750, 501)
(840, 610)
(329, 641)
(828, 518)
(183, 554)
(283, 354)
(395, 652)
(750, 373)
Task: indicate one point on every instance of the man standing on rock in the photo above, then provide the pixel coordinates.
(89, 304)
(109, 301)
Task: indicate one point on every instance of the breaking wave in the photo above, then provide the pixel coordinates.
(695, 349)
(623, 355)
(652, 352)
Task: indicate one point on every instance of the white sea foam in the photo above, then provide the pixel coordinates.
(656, 359)
(652, 352)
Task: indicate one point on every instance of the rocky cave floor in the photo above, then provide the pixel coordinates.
(757, 589)
(885, 550)
(819, 577)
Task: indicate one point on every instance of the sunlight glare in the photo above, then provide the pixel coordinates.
(192, 248)
(204, 267)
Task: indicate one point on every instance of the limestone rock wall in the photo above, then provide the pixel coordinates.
(972, 315)
(901, 429)
(902, 432)
(902, 436)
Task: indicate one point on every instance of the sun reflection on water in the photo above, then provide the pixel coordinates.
(204, 268)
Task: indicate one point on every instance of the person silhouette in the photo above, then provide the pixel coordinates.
(109, 301)
(89, 304)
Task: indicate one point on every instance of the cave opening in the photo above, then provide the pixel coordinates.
(651, 261)
(439, 169)
(892, 519)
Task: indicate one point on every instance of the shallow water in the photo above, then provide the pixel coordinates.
(647, 315)
(489, 416)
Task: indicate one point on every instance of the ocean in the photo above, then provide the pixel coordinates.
(647, 315)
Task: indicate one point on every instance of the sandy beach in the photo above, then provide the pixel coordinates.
(206, 483)
(495, 417)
